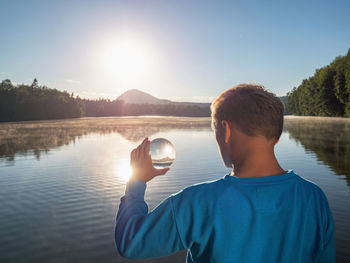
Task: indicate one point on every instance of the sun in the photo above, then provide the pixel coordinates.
(127, 60)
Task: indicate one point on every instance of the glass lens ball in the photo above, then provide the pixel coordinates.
(162, 152)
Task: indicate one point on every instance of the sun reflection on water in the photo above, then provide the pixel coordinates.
(123, 169)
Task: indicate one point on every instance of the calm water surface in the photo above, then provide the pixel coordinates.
(61, 181)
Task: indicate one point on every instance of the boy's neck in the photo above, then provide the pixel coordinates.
(258, 165)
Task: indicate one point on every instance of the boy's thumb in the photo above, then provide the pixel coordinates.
(163, 171)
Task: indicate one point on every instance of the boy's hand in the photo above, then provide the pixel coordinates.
(141, 163)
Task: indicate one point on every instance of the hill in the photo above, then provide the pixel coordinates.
(135, 96)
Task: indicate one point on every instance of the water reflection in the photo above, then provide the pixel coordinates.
(328, 138)
(123, 169)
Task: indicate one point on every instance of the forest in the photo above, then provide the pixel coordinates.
(326, 93)
(34, 102)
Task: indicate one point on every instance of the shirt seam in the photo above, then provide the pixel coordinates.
(173, 215)
(261, 182)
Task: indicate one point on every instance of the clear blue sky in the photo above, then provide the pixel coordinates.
(193, 49)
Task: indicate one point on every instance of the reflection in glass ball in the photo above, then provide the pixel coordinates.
(162, 152)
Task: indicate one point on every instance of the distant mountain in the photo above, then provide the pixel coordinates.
(135, 96)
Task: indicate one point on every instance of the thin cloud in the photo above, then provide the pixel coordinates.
(193, 99)
(71, 81)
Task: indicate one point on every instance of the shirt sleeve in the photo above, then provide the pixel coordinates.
(141, 235)
(327, 254)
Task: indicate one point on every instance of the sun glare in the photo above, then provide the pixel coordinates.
(168, 150)
(127, 60)
(124, 170)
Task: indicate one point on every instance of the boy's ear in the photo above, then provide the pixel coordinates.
(227, 130)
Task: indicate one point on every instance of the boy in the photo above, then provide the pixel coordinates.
(257, 213)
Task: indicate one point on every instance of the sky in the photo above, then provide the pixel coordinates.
(178, 50)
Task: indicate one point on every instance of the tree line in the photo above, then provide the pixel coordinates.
(326, 93)
(34, 102)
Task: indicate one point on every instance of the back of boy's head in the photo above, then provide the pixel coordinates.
(252, 110)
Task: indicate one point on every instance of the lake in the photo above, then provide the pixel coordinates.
(61, 181)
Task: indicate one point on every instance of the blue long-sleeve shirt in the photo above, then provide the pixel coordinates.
(279, 218)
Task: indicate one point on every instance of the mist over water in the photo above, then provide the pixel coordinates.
(61, 181)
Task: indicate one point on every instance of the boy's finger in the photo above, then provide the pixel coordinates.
(139, 149)
(143, 142)
(137, 154)
(142, 150)
(132, 154)
(147, 148)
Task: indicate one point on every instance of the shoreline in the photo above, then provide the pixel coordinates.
(153, 118)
